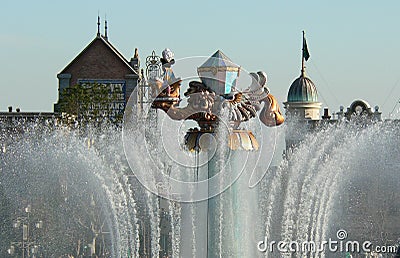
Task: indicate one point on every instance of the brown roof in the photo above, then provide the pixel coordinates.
(109, 45)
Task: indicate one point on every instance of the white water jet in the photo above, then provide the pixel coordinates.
(58, 167)
(175, 214)
(326, 181)
(343, 176)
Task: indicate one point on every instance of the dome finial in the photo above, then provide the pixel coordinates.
(305, 55)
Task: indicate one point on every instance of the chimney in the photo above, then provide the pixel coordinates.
(326, 115)
(135, 61)
(10, 109)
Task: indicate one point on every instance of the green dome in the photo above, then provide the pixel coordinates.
(302, 90)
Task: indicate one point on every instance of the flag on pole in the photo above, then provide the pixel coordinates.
(306, 54)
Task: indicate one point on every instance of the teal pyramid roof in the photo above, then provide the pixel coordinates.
(219, 59)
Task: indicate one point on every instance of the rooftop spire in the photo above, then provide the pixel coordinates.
(98, 25)
(305, 55)
(105, 27)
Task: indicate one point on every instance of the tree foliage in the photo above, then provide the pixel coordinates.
(93, 103)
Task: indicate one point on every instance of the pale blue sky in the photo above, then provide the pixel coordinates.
(354, 45)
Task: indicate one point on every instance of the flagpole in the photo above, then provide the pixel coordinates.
(302, 58)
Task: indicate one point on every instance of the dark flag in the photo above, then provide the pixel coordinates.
(306, 54)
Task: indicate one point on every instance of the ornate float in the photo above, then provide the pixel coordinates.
(214, 98)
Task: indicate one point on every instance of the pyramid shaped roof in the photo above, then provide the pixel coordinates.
(218, 59)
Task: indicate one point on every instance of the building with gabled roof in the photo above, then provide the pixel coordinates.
(100, 62)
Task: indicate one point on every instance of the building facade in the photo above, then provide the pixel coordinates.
(101, 63)
(366, 205)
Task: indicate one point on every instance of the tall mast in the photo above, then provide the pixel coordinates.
(105, 27)
(98, 25)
